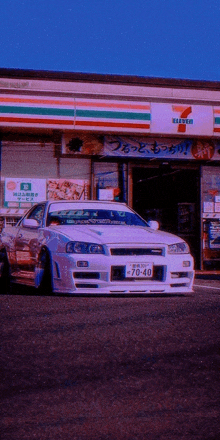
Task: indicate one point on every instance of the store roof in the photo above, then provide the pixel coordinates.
(108, 78)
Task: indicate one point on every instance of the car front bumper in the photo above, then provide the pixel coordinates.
(106, 274)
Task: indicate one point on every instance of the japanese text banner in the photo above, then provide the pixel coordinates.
(161, 148)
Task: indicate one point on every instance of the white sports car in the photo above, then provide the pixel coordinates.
(93, 247)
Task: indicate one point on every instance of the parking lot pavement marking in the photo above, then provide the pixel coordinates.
(207, 287)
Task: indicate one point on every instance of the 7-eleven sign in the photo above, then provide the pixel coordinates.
(183, 118)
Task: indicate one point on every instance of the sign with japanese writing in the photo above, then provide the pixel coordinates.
(160, 148)
(23, 193)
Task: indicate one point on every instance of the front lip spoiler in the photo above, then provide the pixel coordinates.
(128, 290)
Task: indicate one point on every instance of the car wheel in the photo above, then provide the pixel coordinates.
(44, 277)
(5, 284)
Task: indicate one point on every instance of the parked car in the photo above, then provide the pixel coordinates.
(92, 247)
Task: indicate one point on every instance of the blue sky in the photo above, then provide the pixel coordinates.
(158, 38)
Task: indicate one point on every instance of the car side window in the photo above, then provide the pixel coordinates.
(37, 214)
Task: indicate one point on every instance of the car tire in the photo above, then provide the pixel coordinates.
(5, 281)
(45, 286)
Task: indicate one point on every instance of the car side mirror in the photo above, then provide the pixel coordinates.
(153, 224)
(30, 223)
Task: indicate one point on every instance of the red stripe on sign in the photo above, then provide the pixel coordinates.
(217, 130)
(36, 121)
(111, 124)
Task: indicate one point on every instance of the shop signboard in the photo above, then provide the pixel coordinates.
(67, 189)
(108, 115)
(83, 144)
(159, 148)
(23, 193)
(189, 120)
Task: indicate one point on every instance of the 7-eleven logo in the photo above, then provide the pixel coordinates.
(183, 119)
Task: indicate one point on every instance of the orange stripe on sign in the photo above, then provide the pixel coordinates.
(37, 101)
(178, 108)
(37, 121)
(216, 111)
(111, 124)
(72, 103)
(113, 105)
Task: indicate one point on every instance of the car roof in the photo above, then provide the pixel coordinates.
(93, 204)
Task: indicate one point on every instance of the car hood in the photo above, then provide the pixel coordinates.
(116, 234)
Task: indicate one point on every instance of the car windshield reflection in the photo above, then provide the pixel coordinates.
(94, 217)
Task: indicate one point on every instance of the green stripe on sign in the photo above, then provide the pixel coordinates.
(37, 111)
(112, 115)
(217, 120)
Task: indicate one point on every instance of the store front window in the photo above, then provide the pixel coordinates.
(211, 217)
(110, 181)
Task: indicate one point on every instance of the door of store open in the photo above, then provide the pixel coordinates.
(170, 196)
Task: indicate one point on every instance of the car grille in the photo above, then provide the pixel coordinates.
(118, 274)
(137, 251)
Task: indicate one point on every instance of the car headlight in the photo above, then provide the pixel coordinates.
(179, 248)
(79, 247)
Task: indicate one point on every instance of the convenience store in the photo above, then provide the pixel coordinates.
(153, 143)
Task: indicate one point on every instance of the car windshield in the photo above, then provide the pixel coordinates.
(94, 217)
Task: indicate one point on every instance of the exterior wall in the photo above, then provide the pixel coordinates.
(28, 159)
(108, 86)
(71, 168)
(32, 161)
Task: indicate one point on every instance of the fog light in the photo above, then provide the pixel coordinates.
(186, 263)
(82, 264)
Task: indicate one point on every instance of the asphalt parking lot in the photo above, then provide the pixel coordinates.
(208, 283)
(111, 368)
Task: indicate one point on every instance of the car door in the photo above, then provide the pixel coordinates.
(26, 241)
